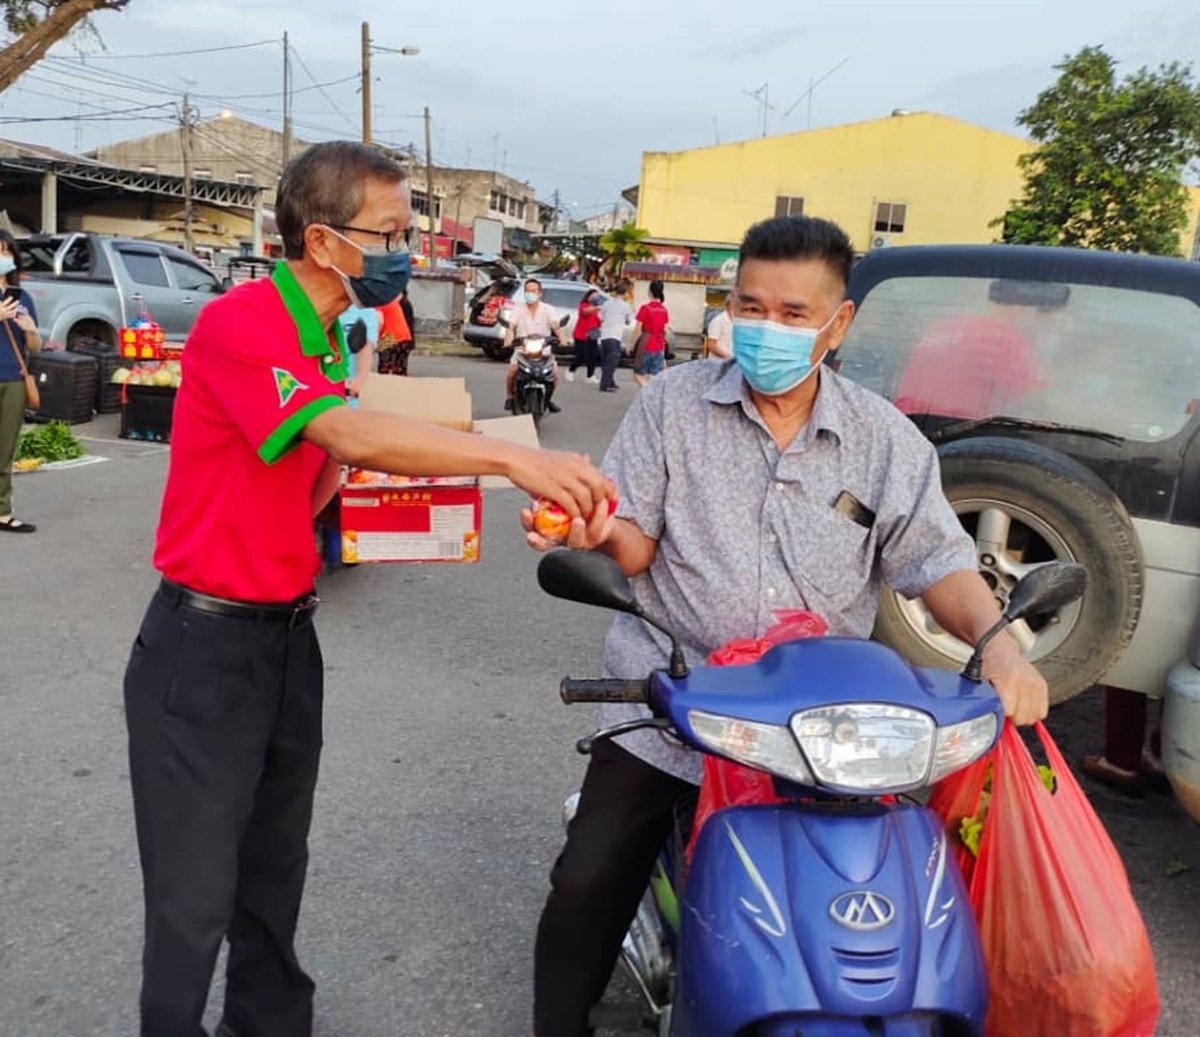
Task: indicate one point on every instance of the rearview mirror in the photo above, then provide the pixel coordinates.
(587, 577)
(1046, 589)
(564, 320)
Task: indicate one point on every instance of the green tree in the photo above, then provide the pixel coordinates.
(38, 25)
(622, 245)
(1111, 155)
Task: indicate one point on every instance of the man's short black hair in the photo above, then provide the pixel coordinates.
(533, 281)
(800, 237)
(325, 185)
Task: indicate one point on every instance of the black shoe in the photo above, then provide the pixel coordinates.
(508, 404)
(553, 407)
(609, 388)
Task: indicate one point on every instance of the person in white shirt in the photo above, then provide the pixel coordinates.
(532, 319)
(616, 316)
(718, 339)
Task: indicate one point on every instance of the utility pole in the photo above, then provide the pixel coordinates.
(366, 82)
(429, 183)
(287, 102)
(185, 139)
(462, 188)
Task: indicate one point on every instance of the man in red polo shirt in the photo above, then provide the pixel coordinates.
(223, 692)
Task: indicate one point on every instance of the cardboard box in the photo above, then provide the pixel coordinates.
(390, 518)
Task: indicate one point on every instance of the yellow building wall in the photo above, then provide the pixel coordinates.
(1189, 244)
(955, 178)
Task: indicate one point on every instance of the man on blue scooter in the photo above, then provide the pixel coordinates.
(748, 485)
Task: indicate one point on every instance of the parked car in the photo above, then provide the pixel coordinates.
(1060, 387)
(85, 286)
(482, 326)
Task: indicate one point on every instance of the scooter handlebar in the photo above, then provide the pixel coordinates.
(602, 689)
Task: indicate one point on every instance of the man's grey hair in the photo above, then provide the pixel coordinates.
(325, 185)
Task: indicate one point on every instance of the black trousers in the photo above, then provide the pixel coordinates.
(224, 719)
(626, 813)
(587, 353)
(610, 360)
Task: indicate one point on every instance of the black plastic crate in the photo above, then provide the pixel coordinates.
(108, 360)
(147, 413)
(67, 385)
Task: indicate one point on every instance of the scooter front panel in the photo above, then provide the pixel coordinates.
(820, 912)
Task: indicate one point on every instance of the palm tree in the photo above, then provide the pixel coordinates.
(623, 244)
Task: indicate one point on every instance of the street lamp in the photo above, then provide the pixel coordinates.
(368, 48)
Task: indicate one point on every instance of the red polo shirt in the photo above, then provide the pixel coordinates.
(237, 510)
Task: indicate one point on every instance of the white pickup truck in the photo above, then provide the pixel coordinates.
(85, 286)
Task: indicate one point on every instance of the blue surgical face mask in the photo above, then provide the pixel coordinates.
(775, 358)
(531, 298)
(385, 276)
(7, 265)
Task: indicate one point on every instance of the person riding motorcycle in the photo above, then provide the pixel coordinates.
(533, 318)
(765, 482)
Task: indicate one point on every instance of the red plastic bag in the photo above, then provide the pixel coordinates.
(727, 784)
(1066, 948)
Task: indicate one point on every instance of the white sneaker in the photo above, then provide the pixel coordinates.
(595, 378)
(570, 376)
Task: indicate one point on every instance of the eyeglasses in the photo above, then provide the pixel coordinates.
(393, 240)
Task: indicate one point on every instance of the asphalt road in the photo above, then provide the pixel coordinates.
(447, 758)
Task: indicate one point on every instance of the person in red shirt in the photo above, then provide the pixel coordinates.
(587, 337)
(652, 321)
(223, 690)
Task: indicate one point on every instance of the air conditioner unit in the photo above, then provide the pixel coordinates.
(880, 240)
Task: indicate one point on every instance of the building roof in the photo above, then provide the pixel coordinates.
(896, 115)
(35, 158)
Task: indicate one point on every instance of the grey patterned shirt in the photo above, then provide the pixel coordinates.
(744, 529)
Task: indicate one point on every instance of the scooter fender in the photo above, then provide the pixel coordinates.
(826, 913)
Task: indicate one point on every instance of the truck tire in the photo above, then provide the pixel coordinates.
(91, 331)
(1024, 505)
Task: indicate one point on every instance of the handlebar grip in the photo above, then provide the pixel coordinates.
(602, 689)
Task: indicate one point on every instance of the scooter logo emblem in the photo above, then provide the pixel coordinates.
(862, 911)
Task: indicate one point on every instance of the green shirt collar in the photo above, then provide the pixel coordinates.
(314, 339)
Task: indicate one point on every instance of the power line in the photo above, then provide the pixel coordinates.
(113, 115)
(333, 104)
(176, 53)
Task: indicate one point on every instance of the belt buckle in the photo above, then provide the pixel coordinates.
(303, 609)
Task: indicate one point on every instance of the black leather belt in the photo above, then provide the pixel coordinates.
(295, 613)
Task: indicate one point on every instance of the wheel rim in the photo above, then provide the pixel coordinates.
(1009, 543)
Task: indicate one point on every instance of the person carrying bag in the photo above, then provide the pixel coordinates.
(18, 388)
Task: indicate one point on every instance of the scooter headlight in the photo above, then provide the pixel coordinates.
(867, 747)
(961, 744)
(765, 746)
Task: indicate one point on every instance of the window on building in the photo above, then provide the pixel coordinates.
(421, 206)
(145, 268)
(889, 217)
(789, 205)
(242, 177)
(202, 174)
(495, 201)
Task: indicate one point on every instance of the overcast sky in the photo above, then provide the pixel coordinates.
(568, 94)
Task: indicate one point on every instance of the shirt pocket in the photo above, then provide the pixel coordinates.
(832, 558)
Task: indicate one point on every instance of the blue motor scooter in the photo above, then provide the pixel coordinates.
(841, 912)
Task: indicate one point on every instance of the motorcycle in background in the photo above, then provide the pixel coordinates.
(839, 912)
(535, 377)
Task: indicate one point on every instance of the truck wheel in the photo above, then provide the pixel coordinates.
(492, 351)
(1025, 505)
(91, 331)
